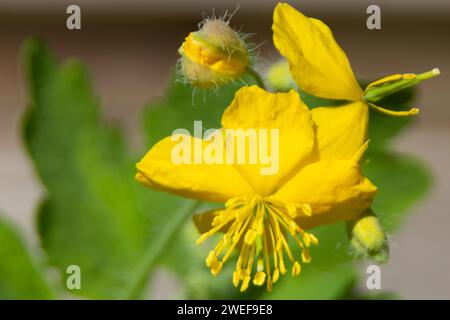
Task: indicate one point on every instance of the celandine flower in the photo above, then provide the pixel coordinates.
(319, 66)
(214, 55)
(318, 182)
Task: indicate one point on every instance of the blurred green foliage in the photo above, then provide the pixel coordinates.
(96, 216)
(20, 277)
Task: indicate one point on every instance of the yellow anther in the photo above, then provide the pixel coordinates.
(282, 267)
(211, 258)
(259, 278)
(245, 283)
(394, 77)
(391, 78)
(216, 267)
(410, 112)
(306, 208)
(409, 76)
(217, 220)
(293, 228)
(306, 239)
(250, 236)
(276, 275)
(313, 239)
(306, 257)
(296, 268)
(291, 209)
(236, 278)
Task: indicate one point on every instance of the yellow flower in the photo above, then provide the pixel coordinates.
(318, 182)
(213, 55)
(319, 66)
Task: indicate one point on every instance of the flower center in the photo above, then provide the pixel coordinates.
(259, 228)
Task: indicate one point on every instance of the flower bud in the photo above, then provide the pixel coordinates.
(367, 237)
(279, 78)
(214, 55)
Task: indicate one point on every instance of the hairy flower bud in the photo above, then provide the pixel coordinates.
(214, 55)
(367, 238)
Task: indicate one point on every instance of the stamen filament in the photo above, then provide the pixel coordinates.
(410, 112)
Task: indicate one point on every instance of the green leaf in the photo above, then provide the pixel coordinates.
(20, 277)
(182, 105)
(314, 284)
(95, 214)
(382, 128)
(401, 181)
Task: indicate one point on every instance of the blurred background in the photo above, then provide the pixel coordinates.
(130, 46)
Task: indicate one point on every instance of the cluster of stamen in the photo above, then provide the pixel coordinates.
(259, 228)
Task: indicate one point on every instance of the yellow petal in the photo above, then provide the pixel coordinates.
(256, 109)
(336, 190)
(341, 131)
(318, 64)
(210, 182)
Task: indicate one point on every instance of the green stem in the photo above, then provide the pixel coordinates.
(259, 80)
(142, 273)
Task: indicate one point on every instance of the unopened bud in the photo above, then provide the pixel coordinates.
(279, 78)
(367, 237)
(214, 55)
